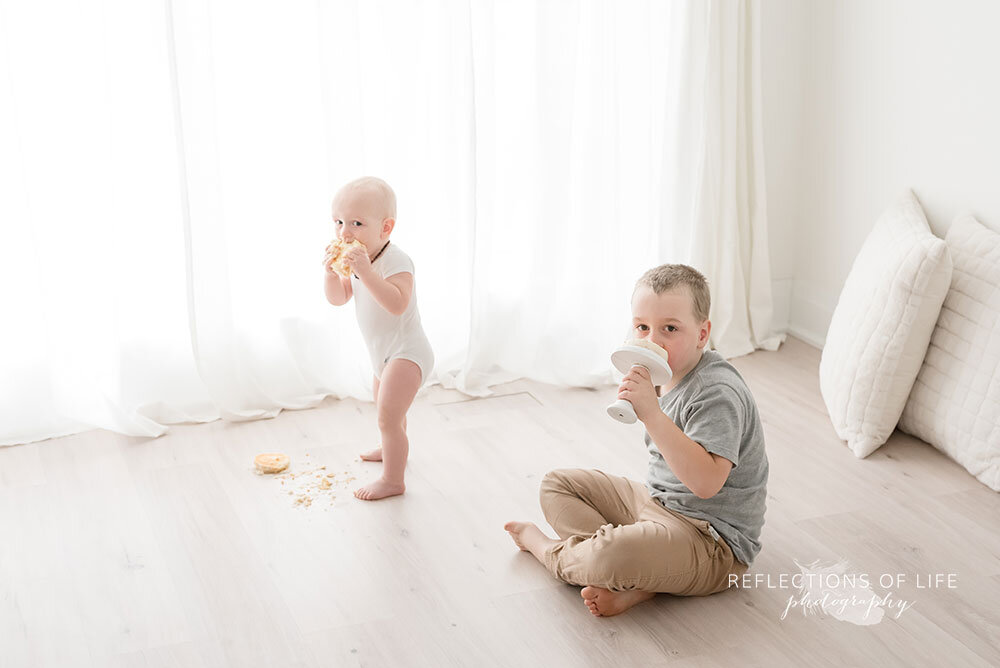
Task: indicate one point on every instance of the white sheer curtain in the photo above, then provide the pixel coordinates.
(166, 170)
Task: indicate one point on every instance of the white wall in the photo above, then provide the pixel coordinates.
(862, 99)
(782, 46)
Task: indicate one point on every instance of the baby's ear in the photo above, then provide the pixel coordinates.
(387, 225)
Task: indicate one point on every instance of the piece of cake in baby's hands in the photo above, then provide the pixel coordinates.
(336, 255)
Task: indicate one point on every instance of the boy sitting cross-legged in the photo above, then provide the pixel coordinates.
(697, 519)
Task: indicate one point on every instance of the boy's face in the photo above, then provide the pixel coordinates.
(667, 319)
(358, 215)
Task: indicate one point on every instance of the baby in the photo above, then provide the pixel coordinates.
(697, 519)
(385, 302)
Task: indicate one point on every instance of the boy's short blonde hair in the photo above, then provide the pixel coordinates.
(372, 185)
(671, 276)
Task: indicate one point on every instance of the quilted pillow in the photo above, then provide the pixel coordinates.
(882, 324)
(955, 402)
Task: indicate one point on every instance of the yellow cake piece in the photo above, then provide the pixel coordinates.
(336, 253)
(271, 462)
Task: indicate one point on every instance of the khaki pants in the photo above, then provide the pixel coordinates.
(618, 537)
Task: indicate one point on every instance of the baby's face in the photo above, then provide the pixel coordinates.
(359, 215)
(667, 319)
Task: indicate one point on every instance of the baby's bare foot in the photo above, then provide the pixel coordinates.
(372, 455)
(379, 490)
(605, 603)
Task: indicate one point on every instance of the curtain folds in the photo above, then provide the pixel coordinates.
(167, 169)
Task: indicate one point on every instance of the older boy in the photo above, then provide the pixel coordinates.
(698, 517)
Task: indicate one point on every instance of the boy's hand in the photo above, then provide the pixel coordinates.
(358, 260)
(637, 388)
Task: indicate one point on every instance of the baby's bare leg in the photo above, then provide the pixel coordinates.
(376, 454)
(400, 382)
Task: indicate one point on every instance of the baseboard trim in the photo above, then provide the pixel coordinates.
(811, 338)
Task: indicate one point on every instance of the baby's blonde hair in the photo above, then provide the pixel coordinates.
(670, 276)
(372, 185)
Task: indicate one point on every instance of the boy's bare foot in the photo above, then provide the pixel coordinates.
(515, 529)
(529, 538)
(605, 603)
(379, 490)
(372, 455)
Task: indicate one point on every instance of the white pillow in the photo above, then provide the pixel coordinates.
(955, 403)
(882, 324)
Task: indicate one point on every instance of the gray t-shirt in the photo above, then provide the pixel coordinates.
(713, 406)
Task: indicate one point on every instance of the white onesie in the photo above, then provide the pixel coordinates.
(391, 336)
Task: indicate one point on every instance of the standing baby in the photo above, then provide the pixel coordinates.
(385, 300)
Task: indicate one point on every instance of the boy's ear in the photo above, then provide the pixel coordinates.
(703, 333)
(387, 226)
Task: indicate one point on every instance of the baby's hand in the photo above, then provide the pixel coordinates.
(357, 258)
(637, 388)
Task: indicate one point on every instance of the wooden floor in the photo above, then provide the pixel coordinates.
(119, 551)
